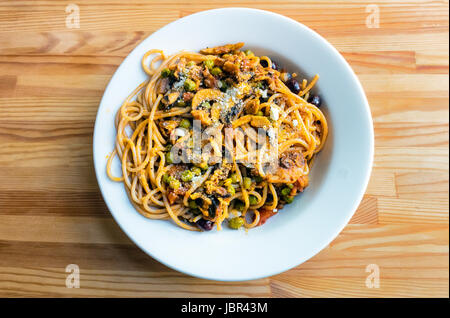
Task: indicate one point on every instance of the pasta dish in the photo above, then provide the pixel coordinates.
(217, 137)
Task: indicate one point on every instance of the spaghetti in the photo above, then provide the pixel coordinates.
(277, 125)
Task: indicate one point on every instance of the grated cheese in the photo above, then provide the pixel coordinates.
(195, 179)
(178, 85)
(263, 93)
(274, 113)
(180, 132)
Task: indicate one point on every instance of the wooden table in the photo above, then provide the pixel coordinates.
(51, 212)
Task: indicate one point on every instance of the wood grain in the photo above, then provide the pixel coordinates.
(52, 214)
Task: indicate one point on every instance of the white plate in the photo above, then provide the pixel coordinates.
(338, 179)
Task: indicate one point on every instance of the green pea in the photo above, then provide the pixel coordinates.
(185, 123)
(253, 200)
(170, 178)
(206, 105)
(190, 64)
(193, 205)
(285, 191)
(216, 71)
(236, 223)
(165, 72)
(196, 171)
(187, 175)
(181, 103)
(288, 199)
(259, 113)
(169, 157)
(247, 183)
(174, 184)
(290, 185)
(165, 178)
(239, 205)
(189, 85)
(249, 53)
(234, 178)
(231, 190)
(209, 63)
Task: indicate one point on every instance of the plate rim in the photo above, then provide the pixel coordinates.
(362, 188)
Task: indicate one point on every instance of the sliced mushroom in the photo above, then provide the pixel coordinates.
(202, 115)
(260, 122)
(241, 121)
(205, 95)
(291, 167)
(223, 49)
(163, 86)
(206, 116)
(231, 67)
(170, 98)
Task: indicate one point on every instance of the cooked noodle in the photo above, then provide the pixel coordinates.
(246, 92)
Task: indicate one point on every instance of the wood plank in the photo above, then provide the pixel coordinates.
(398, 83)
(411, 134)
(117, 257)
(393, 211)
(58, 64)
(8, 85)
(61, 85)
(99, 16)
(61, 229)
(294, 286)
(412, 260)
(421, 107)
(430, 49)
(72, 43)
(48, 110)
(62, 203)
(30, 282)
(429, 185)
(407, 159)
(58, 181)
(396, 62)
(45, 154)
